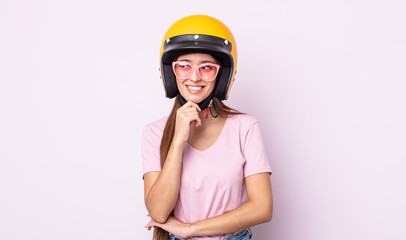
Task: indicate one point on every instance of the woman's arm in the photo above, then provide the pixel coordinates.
(257, 210)
(161, 189)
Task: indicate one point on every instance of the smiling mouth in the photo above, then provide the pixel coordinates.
(195, 88)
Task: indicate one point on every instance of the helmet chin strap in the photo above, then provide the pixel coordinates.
(210, 100)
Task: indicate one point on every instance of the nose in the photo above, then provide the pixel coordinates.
(195, 76)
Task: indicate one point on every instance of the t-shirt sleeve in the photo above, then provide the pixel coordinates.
(256, 159)
(150, 147)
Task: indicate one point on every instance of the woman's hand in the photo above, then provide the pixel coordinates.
(173, 226)
(186, 115)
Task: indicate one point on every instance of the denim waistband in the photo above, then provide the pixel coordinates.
(245, 234)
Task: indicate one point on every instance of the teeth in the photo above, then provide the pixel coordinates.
(194, 88)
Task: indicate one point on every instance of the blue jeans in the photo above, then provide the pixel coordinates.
(243, 235)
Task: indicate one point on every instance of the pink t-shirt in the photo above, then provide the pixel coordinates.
(212, 180)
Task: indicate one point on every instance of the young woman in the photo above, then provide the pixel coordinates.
(206, 172)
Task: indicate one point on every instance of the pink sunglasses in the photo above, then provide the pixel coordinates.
(207, 71)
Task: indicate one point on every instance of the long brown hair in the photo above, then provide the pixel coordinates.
(169, 132)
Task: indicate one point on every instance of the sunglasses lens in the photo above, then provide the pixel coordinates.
(207, 72)
(183, 70)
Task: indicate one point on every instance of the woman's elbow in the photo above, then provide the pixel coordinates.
(159, 218)
(157, 214)
(268, 216)
(267, 213)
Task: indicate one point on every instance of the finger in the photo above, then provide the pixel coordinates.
(180, 112)
(197, 118)
(155, 224)
(151, 223)
(186, 105)
(191, 116)
(190, 110)
(196, 106)
(194, 117)
(191, 104)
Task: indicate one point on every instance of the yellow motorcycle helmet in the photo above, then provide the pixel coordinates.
(204, 34)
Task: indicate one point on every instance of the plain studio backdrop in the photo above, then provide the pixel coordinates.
(79, 80)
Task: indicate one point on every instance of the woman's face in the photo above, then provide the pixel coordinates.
(194, 88)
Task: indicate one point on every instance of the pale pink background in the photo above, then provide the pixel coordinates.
(79, 79)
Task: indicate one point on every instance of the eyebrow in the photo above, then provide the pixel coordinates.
(205, 61)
